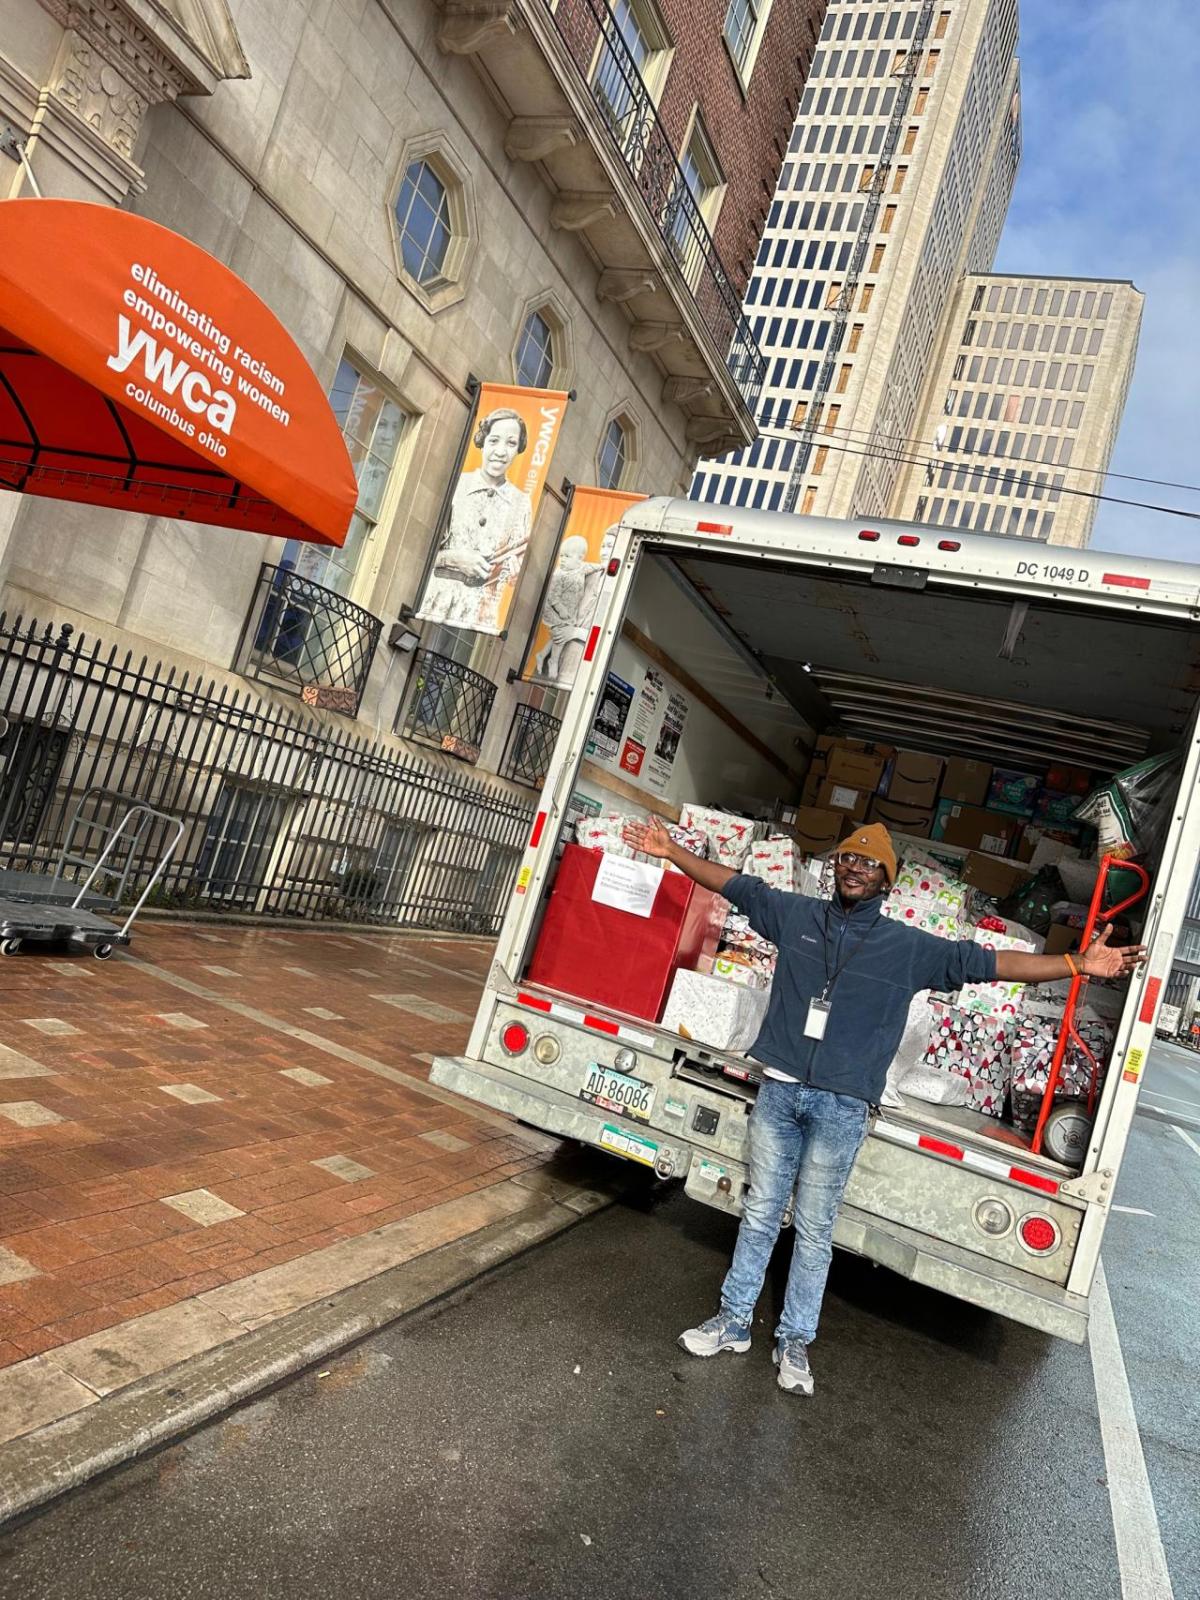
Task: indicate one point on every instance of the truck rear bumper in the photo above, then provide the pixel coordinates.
(934, 1262)
(964, 1275)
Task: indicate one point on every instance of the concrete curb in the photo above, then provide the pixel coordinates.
(64, 1454)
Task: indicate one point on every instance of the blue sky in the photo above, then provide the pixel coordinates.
(1109, 187)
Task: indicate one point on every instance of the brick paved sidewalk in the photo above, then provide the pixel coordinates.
(219, 1101)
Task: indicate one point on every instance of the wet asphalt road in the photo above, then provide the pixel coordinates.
(540, 1435)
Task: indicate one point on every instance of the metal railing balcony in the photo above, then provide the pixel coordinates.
(607, 67)
(309, 639)
(531, 740)
(449, 705)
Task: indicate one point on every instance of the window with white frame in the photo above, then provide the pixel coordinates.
(704, 183)
(374, 427)
(620, 74)
(743, 30)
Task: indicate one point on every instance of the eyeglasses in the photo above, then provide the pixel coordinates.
(847, 858)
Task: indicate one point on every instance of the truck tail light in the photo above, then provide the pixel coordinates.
(949, 544)
(1038, 1234)
(869, 535)
(909, 539)
(514, 1039)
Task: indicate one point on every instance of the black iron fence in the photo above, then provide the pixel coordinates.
(593, 36)
(304, 637)
(531, 740)
(282, 817)
(448, 704)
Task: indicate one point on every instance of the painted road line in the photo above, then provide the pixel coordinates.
(1178, 1099)
(1187, 1139)
(1133, 1211)
(1140, 1555)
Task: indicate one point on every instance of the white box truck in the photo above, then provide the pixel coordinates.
(1014, 653)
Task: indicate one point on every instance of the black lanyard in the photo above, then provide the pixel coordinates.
(844, 962)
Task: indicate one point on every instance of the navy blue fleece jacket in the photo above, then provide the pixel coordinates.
(886, 963)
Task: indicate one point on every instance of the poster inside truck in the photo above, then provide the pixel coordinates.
(764, 684)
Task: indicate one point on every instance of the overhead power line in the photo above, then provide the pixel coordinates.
(985, 472)
(911, 441)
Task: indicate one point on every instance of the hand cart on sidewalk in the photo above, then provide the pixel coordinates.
(48, 908)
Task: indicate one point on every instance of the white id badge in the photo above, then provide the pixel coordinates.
(818, 1017)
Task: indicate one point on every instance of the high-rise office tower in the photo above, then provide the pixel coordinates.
(1021, 408)
(897, 180)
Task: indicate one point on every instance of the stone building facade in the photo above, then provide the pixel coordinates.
(596, 179)
(1022, 407)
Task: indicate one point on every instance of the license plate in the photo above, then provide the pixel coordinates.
(615, 1091)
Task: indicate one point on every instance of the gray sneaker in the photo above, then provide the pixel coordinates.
(795, 1374)
(722, 1332)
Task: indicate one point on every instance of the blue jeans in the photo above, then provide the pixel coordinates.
(796, 1132)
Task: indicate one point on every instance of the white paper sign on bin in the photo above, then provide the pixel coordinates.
(627, 885)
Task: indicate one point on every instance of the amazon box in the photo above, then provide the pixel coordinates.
(914, 778)
(973, 828)
(817, 831)
(915, 821)
(852, 800)
(856, 768)
(967, 782)
(994, 876)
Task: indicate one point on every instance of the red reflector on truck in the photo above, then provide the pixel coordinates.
(1123, 581)
(593, 641)
(1033, 1180)
(949, 544)
(539, 823)
(939, 1147)
(601, 1025)
(1150, 1000)
(534, 1000)
(869, 535)
(909, 539)
(714, 527)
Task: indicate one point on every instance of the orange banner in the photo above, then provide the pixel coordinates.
(484, 546)
(574, 587)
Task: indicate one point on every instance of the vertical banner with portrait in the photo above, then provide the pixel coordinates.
(484, 540)
(573, 588)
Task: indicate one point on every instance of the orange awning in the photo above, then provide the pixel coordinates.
(138, 372)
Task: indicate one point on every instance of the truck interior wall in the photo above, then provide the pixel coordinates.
(713, 763)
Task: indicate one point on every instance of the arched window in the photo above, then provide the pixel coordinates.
(535, 352)
(423, 215)
(614, 454)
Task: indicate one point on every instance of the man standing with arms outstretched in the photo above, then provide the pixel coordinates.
(844, 980)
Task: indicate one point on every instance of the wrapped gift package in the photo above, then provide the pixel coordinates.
(737, 967)
(604, 833)
(712, 1011)
(998, 999)
(691, 839)
(977, 1048)
(918, 1031)
(780, 862)
(616, 958)
(729, 838)
(917, 881)
(1033, 1054)
(923, 914)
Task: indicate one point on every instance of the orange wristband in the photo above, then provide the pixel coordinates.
(1071, 967)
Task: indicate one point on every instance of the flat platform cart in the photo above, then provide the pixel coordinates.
(46, 908)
